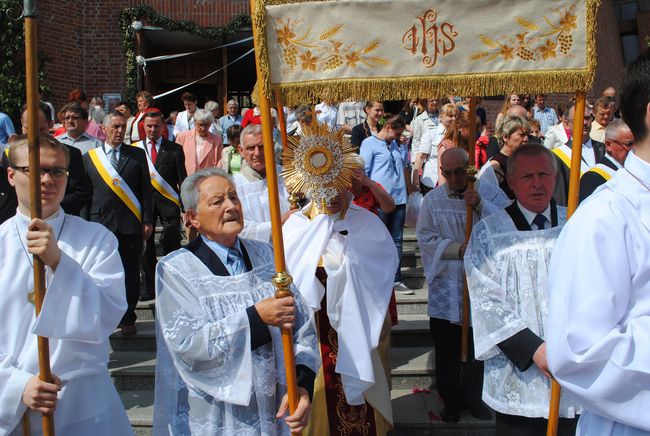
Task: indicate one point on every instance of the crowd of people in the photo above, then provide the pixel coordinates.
(548, 300)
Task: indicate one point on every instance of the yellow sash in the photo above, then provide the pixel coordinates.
(157, 181)
(114, 181)
(603, 171)
(566, 159)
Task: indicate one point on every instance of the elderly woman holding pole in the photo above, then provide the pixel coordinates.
(220, 366)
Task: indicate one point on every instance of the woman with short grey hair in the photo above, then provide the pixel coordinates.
(512, 132)
(202, 149)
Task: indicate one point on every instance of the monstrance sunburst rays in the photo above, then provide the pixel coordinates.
(318, 163)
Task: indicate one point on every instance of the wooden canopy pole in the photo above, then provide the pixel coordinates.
(471, 173)
(31, 79)
(572, 205)
(282, 280)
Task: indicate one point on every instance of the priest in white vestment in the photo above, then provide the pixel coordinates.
(507, 266)
(343, 261)
(441, 238)
(599, 312)
(252, 187)
(84, 302)
(220, 367)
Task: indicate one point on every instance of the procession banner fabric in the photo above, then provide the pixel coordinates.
(157, 181)
(386, 49)
(114, 181)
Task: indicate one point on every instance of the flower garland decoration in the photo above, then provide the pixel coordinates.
(132, 18)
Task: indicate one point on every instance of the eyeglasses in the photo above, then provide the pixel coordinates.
(627, 145)
(71, 118)
(454, 172)
(55, 173)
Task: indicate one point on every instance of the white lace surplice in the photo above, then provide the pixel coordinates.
(441, 222)
(254, 197)
(208, 381)
(507, 277)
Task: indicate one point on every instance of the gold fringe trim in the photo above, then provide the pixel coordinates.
(403, 88)
(258, 21)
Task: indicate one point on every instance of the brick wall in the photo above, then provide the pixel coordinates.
(84, 42)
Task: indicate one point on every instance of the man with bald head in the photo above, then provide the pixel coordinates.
(618, 143)
(441, 238)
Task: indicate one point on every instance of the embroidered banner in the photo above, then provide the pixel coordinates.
(386, 49)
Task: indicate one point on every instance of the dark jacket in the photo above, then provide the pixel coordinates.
(106, 207)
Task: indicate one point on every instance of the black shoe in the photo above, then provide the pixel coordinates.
(147, 296)
(480, 410)
(450, 415)
(128, 329)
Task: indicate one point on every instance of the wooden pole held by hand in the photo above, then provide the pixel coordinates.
(572, 205)
(471, 172)
(281, 279)
(31, 79)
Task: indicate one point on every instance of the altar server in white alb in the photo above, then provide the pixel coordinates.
(599, 313)
(84, 302)
(441, 237)
(507, 266)
(252, 187)
(220, 364)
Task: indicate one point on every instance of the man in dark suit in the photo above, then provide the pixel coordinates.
(618, 143)
(122, 202)
(168, 161)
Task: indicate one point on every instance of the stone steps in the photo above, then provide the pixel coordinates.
(135, 370)
(414, 413)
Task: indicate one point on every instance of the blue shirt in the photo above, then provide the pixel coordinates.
(546, 117)
(222, 252)
(6, 129)
(227, 121)
(385, 164)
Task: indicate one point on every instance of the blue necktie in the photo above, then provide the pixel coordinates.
(235, 262)
(540, 220)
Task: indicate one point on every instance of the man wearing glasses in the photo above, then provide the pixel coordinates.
(618, 143)
(84, 301)
(75, 120)
(441, 237)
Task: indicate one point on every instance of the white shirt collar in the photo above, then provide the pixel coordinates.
(530, 215)
(614, 161)
(107, 147)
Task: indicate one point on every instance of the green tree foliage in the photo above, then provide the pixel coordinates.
(12, 63)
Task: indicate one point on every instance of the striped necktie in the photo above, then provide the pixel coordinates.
(113, 157)
(235, 262)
